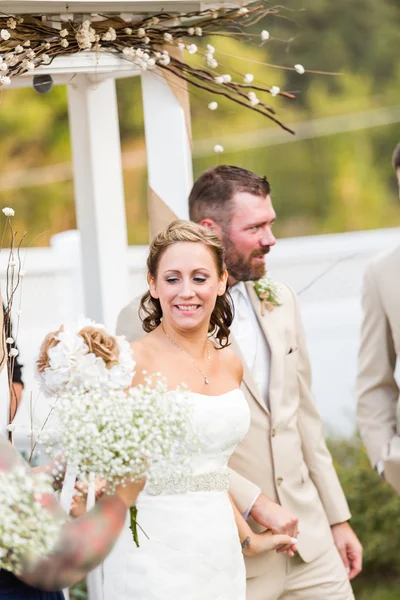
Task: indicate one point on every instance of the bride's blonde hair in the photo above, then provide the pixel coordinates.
(185, 231)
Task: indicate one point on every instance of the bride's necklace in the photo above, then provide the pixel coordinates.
(204, 375)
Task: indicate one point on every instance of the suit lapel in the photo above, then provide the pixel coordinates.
(248, 378)
(269, 324)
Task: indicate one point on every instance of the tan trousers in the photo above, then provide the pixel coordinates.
(292, 579)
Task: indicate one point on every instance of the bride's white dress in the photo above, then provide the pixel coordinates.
(193, 551)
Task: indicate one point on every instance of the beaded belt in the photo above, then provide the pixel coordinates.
(214, 481)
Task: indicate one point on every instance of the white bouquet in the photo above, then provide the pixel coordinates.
(122, 435)
(103, 428)
(28, 531)
(84, 357)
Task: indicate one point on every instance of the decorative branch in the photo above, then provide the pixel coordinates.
(27, 43)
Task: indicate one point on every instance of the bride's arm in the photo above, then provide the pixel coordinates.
(256, 543)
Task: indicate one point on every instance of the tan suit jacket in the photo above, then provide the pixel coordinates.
(377, 390)
(284, 453)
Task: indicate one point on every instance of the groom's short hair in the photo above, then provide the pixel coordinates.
(213, 191)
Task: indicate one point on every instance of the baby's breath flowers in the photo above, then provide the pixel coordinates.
(28, 532)
(123, 436)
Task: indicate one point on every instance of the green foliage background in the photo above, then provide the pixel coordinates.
(338, 182)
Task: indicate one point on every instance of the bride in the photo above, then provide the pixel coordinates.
(196, 535)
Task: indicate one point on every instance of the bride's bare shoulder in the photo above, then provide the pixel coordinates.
(231, 361)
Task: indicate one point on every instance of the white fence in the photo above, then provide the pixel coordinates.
(325, 270)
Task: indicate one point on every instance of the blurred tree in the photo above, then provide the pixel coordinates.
(321, 183)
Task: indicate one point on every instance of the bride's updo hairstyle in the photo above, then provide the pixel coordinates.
(185, 231)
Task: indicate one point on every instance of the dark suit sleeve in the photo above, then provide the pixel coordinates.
(17, 371)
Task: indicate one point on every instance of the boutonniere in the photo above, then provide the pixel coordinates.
(268, 292)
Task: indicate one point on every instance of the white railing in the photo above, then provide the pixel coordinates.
(326, 271)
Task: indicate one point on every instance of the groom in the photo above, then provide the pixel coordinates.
(282, 467)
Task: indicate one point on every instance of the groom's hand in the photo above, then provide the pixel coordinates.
(349, 548)
(277, 519)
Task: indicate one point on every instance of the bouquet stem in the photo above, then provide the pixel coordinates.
(133, 525)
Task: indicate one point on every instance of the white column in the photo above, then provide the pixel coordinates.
(168, 145)
(99, 196)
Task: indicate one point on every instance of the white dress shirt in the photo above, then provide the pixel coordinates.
(251, 339)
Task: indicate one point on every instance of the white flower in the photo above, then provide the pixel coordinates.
(265, 35)
(5, 35)
(11, 23)
(192, 49)
(253, 99)
(9, 340)
(218, 148)
(4, 67)
(29, 533)
(299, 69)
(72, 366)
(47, 46)
(64, 43)
(275, 90)
(181, 46)
(4, 80)
(167, 37)
(11, 427)
(198, 31)
(211, 62)
(9, 212)
(29, 65)
(219, 79)
(141, 32)
(248, 78)
(27, 44)
(86, 36)
(45, 59)
(20, 20)
(227, 78)
(13, 352)
(18, 49)
(164, 60)
(63, 33)
(110, 35)
(191, 31)
(22, 273)
(30, 54)
(269, 293)
(12, 263)
(243, 11)
(146, 40)
(128, 31)
(213, 105)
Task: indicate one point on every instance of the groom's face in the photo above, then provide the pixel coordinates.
(248, 237)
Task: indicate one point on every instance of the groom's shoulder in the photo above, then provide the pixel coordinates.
(128, 322)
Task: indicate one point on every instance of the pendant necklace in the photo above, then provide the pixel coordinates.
(204, 375)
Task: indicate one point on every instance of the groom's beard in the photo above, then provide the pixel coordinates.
(241, 268)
